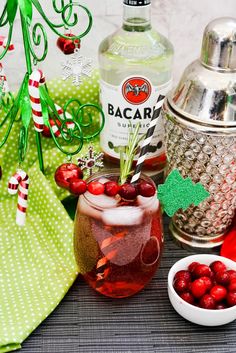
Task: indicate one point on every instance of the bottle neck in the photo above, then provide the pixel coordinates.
(137, 18)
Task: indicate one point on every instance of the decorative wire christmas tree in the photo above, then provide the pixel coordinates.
(70, 127)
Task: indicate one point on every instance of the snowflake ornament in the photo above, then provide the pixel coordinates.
(77, 67)
(91, 161)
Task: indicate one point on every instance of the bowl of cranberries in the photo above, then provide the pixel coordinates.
(202, 289)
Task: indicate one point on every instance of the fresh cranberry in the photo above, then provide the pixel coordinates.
(232, 274)
(96, 188)
(220, 306)
(187, 297)
(66, 172)
(222, 278)
(207, 302)
(180, 285)
(232, 286)
(183, 275)
(218, 293)
(231, 298)
(217, 266)
(201, 271)
(208, 282)
(111, 188)
(145, 189)
(192, 266)
(128, 192)
(77, 186)
(198, 288)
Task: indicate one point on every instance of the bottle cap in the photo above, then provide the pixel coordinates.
(137, 2)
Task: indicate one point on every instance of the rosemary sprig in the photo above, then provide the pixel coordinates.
(128, 153)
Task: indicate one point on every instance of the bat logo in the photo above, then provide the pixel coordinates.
(136, 90)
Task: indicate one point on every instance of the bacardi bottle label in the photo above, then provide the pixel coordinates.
(127, 105)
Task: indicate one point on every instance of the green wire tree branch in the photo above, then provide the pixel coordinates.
(35, 36)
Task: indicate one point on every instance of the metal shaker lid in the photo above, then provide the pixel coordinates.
(219, 44)
(206, 92)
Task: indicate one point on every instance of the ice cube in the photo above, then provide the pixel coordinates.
(122, 216)
(103, 180)
(87, 210)
(102, 201)
(150, 204)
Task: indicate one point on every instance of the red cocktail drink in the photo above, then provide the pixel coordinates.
(118, 243)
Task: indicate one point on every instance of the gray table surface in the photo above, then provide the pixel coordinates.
(86, 322)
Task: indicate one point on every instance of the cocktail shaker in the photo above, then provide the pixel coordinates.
(200, 124)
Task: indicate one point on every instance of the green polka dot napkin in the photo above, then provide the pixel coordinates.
(37, 265)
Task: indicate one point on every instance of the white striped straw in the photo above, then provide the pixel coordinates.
(148, 139)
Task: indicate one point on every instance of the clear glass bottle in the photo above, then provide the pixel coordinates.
(135, 67)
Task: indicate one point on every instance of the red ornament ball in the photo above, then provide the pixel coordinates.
(67, 46)
(66, 172)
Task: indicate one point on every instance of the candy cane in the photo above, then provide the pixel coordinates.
(19, 182)
(3, 43)
(36, 79)
(54, 126)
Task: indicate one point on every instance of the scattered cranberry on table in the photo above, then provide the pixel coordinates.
(208, 287)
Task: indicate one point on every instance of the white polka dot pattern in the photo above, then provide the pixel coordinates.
(37, 265)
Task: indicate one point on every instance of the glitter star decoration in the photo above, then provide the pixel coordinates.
(91, 161)
(77, 67)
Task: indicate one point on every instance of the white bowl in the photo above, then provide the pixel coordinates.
(190, 312)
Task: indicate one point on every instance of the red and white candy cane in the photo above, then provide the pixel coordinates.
(19, 182)
(54, 126)
(36, 79)
(3, 43)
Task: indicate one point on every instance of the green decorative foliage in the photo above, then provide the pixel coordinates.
(178, 193)
(26, 9)
(11, 10)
